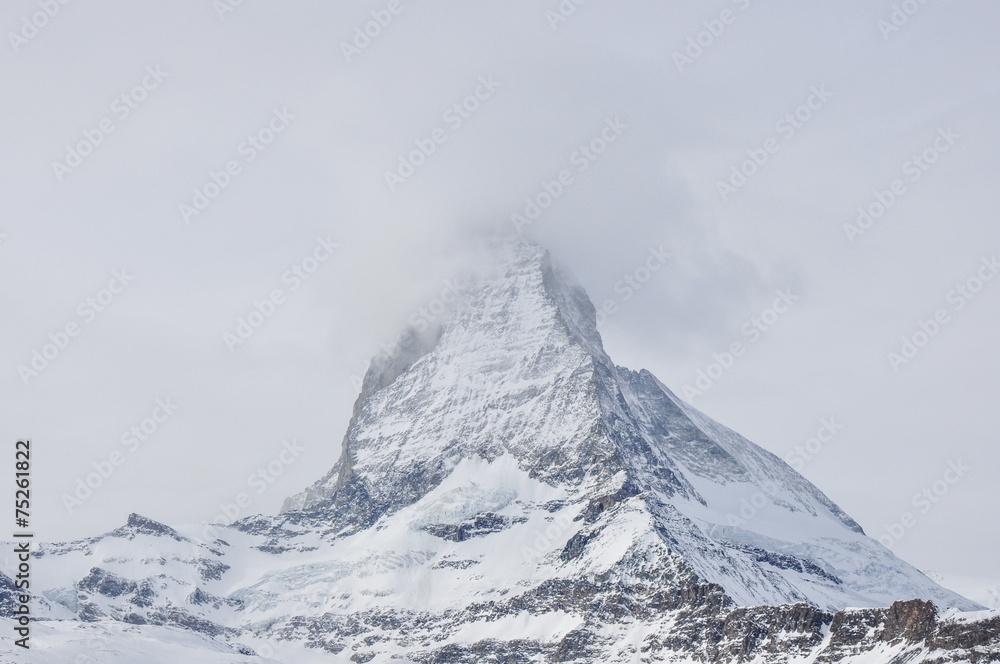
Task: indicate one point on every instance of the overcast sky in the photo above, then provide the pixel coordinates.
(119, 117)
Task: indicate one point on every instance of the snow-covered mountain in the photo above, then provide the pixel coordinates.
(505, 492)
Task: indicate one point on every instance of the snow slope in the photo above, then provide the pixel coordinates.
(520, 370)
(507, 493)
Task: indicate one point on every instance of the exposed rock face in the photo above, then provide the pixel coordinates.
(506, 493)
(8, 597)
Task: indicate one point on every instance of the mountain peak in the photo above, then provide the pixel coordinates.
(517, 371)
(506, 492)
(138, 525)
(519, 338)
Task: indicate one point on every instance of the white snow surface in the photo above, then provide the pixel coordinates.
(525, 438)
(520, 370)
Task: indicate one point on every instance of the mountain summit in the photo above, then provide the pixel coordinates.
(519, 373)
(506, 493)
